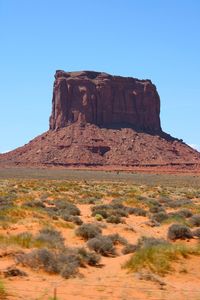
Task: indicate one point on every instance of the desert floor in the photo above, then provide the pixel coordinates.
(34, 200)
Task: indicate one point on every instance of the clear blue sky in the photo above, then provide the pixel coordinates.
(155, 39)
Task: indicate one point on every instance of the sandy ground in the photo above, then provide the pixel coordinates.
(110, 280)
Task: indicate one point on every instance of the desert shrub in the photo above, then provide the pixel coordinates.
(69, 270)
(90, 258)
(158, 258)
(186, 213)
(164, 200)
(66, 262)
(121, 212)
(89, 200)
(159, 217)
(114, 219)
(137, 211)
(67, 207)
(129, 248)
(34, 203)
(178, 203)
(156, 209)
(102, 245)
(75, 219)
(100, 212)
(50, 237)
(145, 242)
(52, 212)
(178, 231)
(7, 201)
(39, 259)
(195, 220)
(196, 232)
(63, 209)
(175, 217)
(117, 239)
(88, 231)
(100, 207)
(108, 211)
(151, 202)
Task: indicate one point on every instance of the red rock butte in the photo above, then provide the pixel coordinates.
(104, 100)
(100, 120)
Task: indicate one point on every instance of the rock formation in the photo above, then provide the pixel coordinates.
(107, 121)
(104, 100)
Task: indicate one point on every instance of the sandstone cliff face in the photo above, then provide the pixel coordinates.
(104, 100)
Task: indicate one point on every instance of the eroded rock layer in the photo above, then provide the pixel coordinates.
(104, 100)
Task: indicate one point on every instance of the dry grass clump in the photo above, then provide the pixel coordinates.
(24, 240)
(158, 257)
(47, 237)
(145, 242)
(3, 293)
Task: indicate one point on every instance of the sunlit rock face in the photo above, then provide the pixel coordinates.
(104, 100)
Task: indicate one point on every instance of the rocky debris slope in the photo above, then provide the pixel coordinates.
(94, 146)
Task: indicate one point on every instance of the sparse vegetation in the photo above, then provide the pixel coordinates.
(88, 231)
(41, 219)
(66, 263)
(195, 220)
(102, 245)
(178, 231)
(158, 258)
(3, 294)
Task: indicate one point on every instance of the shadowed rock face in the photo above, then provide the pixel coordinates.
(104, 100)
